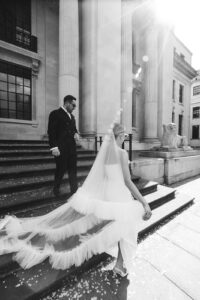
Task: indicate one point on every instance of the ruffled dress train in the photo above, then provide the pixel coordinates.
(86, 225)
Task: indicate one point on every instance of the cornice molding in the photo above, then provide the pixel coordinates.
(33, 57)
(185, 68)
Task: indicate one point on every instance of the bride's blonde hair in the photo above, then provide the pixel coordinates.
(117, 129)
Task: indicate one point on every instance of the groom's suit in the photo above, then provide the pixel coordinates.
(61, 130)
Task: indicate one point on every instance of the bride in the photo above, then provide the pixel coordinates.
(102, 216)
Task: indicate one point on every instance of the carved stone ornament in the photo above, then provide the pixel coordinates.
(35, 67)
(171, 139)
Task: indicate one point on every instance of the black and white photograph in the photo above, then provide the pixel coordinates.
(99, 150)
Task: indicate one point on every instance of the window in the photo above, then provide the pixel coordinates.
(134, 95)
(15, 91)
(182, 56)
(196, 90)
(196, 112)
(173, 89)
(195, 132)
(173, 117)
(180, 124)
(181, 91)
(15, 23)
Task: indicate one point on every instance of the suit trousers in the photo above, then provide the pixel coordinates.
(66, 162)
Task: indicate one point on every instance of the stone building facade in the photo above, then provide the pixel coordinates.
(195, 112)
(110, 54)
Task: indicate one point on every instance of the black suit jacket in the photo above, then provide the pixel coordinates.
(61, 130)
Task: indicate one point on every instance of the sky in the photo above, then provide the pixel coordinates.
(185, 17)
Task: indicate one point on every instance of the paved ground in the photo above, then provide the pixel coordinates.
(167, 266)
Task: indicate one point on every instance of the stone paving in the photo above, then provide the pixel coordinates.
(167, 265)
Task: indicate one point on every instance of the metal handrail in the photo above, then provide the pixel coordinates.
(129, 139)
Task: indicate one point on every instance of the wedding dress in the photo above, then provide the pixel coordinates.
(101, 214)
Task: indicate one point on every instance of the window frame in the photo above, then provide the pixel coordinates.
(13, 101)
(193, 133)
(197, 108)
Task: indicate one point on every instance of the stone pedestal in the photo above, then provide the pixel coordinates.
(178, 164)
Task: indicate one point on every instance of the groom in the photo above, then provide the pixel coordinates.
(62, 140)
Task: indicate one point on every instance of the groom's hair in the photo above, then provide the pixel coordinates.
(68, 98)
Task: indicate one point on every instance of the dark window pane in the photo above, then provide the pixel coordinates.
(11, 87)
(27, 82)
(12, 114)
(19, 80)
(11, 78)
(26, 107)
(12, 96)
(3, 95)
(27, 99)
(15, 95)
(195, 132)
(3, 86)
(20, 89)
(3, 77)
(27, 116)
(20, 115)
(4, 104)
(196, 90)
(3, 113)
(3, 67)
(19, 98)
(12, 105)
(27, 90)
(196, 112)
(20, 106)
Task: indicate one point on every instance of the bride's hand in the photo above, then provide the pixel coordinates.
(147, 212)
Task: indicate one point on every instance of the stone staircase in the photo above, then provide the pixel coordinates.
(26, 178)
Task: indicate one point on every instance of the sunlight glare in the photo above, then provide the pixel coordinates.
(168, 11)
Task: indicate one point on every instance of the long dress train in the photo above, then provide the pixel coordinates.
(89, 223)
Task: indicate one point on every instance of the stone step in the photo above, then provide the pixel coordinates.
(166, 210)
(145, 186)
(24, 142)
(13, 161)
(40, 280)
(12, 185)
(18, 207)
(16, 201)
(162, 195)
(33, 201)
(29, 170)
(25, 146)
(14, 154)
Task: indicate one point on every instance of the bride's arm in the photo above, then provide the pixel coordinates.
(135, 192)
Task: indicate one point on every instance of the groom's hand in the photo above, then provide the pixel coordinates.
(55, 152)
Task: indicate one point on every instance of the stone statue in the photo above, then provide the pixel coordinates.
(171, 139)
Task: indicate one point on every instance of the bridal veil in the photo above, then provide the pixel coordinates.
(101, 214)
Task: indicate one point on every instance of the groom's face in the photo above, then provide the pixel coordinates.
(70, 106)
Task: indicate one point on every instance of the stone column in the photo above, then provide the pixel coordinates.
(88, 65)
(68, 49)
(151, 85)
(126, 65)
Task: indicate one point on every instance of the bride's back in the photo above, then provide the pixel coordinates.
(114, 172)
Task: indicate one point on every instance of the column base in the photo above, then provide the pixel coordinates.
(153, 141)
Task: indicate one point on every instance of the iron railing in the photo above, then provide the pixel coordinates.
(128, 139)
(19, 37)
